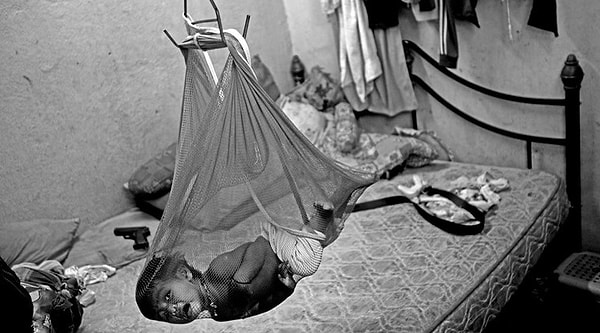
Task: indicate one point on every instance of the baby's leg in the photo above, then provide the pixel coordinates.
(323, 216)
(303, 255)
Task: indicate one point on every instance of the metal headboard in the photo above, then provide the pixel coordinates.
(571, 76)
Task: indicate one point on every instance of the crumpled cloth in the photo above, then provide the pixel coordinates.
(481, 192)
(90, 274)
(87, 275)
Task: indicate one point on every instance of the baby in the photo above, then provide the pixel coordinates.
(243, 282)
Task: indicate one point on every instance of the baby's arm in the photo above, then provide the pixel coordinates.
(253, 261)
(279, 293)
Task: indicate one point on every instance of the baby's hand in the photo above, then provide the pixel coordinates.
(284, 273)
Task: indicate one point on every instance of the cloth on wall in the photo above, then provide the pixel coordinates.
(382, 14)
(543, 16)
(393, 92)
(448, 11)
(390, 91)
(359, 63)
(426, 5)
(448, 47)
(425, 10)
(464, 10)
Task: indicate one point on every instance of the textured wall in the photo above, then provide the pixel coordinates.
(89, 90)
(312, 35)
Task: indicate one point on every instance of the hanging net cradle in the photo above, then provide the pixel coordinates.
(253, 202)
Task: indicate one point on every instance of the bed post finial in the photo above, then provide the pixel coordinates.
(571, 76)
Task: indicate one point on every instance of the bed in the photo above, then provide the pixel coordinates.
(390, 270)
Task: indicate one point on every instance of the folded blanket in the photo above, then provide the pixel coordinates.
(54, 296)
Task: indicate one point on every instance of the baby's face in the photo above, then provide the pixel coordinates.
(178, 300)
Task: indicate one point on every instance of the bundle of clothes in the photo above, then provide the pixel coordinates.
(46, 297)
(481, 191)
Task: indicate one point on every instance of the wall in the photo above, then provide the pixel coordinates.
(525, 61)
(312, 35)
(89, 90)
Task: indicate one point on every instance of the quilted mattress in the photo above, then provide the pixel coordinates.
(390, 270)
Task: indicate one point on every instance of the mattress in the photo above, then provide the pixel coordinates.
(390, 270)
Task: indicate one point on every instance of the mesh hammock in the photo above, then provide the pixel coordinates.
(253, 202)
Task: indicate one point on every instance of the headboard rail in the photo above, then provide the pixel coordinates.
(410, 45)
(571, 76)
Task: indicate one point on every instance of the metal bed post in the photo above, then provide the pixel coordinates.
(571, 76)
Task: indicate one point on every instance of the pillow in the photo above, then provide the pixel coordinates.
(98, 245)
(320, 90)
(307, 119)
(443, 153)
(37, 240)
(395, 150)
(383, 154)
(264, 77)
(346, 128)
(153, 179)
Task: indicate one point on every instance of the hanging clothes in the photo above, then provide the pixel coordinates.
(359, 63)
(382, 14)
(393, 92)
(449, 11)
(448, 37)
(425, 10)
(543, 16)
(390, 92)
(465, 11)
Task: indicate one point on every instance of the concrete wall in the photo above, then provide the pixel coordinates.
(312, 35)
(89, 90)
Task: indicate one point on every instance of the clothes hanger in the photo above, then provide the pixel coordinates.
(216, 19)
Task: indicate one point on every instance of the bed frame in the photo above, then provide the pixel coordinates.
(571, 75)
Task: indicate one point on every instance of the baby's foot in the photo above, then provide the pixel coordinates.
(323, 216)
(323, 207)
(284, 273)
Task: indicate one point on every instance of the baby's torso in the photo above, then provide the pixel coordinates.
(233, 299)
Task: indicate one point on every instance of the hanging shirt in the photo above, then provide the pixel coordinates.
(359, 63)
(448, 12)
(393, 92)
(382, 14)
(543, 16)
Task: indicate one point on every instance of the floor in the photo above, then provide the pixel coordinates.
(549, 306)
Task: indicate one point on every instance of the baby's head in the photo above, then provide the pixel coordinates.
(173, 295)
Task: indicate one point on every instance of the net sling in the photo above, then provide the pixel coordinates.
(253, 202)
